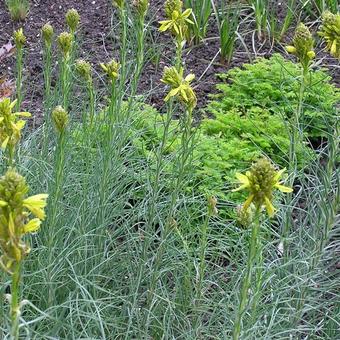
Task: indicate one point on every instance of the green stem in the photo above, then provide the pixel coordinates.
(252, 256)
(19, 64)
(15, 307)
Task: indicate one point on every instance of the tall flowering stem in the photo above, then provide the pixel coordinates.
(177, 24)
(302, 48)
(260, 182)
(47, 33)
(16, 221)
(20, 41)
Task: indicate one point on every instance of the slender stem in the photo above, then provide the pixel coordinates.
(19, 64)
(252, 256)
(15, 307)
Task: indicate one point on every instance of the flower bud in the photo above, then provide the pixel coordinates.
(111, 69)
(171, 6)
(212, 202)
(141, 7)
(84, 69)
(291, 49)
(330, 31)
(65, 41)
(118, 3)
(60, 119)
(72, 19)
(19, 38)
(47, 34)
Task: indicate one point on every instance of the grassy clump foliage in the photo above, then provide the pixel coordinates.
(132, 248)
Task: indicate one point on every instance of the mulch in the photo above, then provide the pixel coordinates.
(98, 44)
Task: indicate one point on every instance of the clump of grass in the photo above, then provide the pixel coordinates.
(18, 9)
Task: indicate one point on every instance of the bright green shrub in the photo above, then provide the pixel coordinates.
(273, 84)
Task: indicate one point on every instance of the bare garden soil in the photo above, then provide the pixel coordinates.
(98, 43)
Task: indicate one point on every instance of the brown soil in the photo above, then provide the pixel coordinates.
(97, 45)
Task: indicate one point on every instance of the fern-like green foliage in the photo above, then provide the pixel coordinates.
(273, 84)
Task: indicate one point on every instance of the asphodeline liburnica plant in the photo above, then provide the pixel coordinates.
(10, 128)
(20, 41)
(330, 31)
(65, 43)
(60, 119)
(177, 23)
(302, 48)
(260, 181)
(112, 71)
(19, 215)
(182, 92)
(84, 70)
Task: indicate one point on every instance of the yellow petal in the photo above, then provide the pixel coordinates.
(279, 174)
(269, 207)
(4, 143)
(3, 204)
(1, 119)
(32, 226)
(187, 13)
(283, 188)
(11, 226)
(248, 202)
(242, 178)
(189, 78)
(23, 114)
(13, 104)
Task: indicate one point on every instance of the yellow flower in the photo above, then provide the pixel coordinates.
(302, 45)
(180, 86)
(60, 118)
(111, 69)
(36, 204)
(10, 126)
(260, 181)
(19, 38)
(15, 220)
(330, 31)
(177, 24)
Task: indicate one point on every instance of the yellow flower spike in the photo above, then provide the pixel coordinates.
(176, 20)
(180, 87)
(65, 41)
(72, 19)
(10, 126)
(302, 46)
(260, 182)
(111, 69)
(47, 33)
(330, 31)
(19, 38)
(60, 118)
(15, 220)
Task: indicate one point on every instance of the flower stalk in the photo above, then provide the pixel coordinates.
(20, 41)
